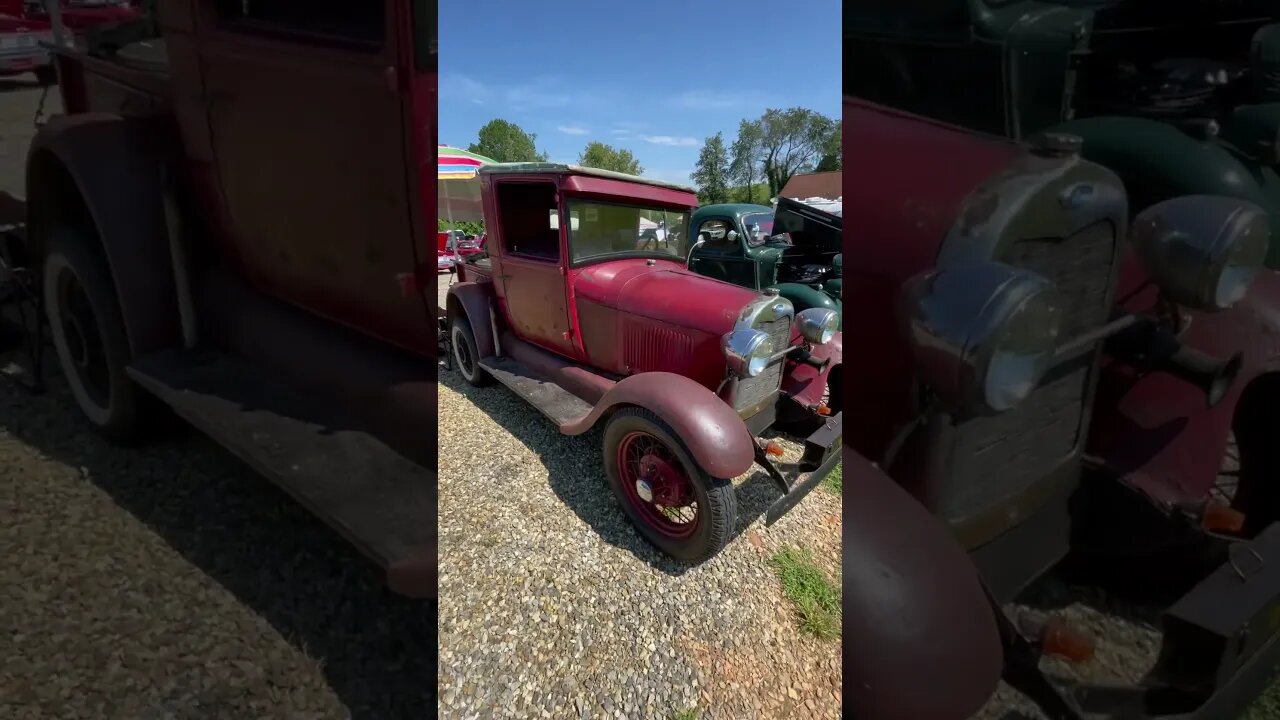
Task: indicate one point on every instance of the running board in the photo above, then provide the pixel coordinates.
(559, 405)
(381, 502)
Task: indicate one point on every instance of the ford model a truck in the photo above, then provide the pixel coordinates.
(1176, 97)
(1000, 298)
(794, 250)
(193, 245)
(577, 313)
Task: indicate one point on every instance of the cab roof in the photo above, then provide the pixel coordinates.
(539, 168)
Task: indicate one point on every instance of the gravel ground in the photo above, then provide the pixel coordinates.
(552, 606)
(169, 581)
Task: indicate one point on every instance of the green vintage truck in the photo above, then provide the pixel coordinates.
(1177, 98)
(794, 249)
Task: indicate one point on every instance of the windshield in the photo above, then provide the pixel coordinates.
(600, 230)
(759, 227)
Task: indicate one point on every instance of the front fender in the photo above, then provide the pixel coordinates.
(804, 382)
(1157, 161)
(716, 437)
(1153, 431)
(804, 297)
(472, 300)
(927, 644)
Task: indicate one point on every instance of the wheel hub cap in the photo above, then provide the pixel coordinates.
(644, 491)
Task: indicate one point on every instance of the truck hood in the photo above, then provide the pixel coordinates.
(664, 292)
(810, 228)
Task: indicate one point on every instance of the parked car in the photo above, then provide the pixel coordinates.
(258, 278)
(981, 407)
(794, 250)
(1176, 98)
(685, 373)
(20, 44)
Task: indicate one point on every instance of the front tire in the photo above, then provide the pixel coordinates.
(672, 502)
(465, 356)
(89, 336)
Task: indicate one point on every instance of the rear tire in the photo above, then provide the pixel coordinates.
(716, 503)
(465, 356)
(89, 336)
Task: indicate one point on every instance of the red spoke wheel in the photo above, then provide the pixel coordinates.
(673, 503)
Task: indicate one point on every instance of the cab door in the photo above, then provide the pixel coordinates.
(722, 257)
(529, 269)
(307, 102)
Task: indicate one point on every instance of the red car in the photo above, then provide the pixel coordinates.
(20, 43)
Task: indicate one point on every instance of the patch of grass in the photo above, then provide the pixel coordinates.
(686, 714)
(816, 598)
(1266, 707)
(833, 482)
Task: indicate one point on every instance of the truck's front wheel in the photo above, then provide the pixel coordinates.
(675, 505)
(88, 334)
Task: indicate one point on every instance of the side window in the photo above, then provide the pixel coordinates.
(529, 219)
(346, 22)
(716, 233)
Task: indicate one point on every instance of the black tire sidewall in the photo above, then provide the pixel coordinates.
(460, 329)
(68, 252)
(715, 496)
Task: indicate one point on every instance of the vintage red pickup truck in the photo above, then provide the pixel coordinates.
(193, 245)
(572, 308)
(1085, 410)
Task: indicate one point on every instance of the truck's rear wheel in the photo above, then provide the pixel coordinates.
(465, 356)
(674, 504)
(88, 334)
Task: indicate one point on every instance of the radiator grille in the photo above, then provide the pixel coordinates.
(999, 456)
(751, 391)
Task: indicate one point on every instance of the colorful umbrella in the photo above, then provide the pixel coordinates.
(458, 187)
(455, 164)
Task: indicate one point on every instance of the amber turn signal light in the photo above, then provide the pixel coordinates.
(773, 449)
(823, 409)
(1061, 640)
(1222, 518)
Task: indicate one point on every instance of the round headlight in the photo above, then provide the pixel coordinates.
(1203, 250)
(818, 325)
(983, 335)
(747, 352)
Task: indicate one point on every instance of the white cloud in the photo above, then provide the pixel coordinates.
(572, 129)
(465, 88)
(670, 140)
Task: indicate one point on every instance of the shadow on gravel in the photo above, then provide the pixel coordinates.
(378, 650)
(586, 492)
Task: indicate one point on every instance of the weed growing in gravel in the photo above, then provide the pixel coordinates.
(816, 599)
(833, 481)
(686, 714)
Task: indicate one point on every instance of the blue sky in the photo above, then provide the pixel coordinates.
(656, 78)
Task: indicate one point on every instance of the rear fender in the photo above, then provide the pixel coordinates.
(913, 607)
(715, 435)
(108, 175)
(472, 300)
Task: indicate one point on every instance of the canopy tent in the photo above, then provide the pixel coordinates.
(458, 187)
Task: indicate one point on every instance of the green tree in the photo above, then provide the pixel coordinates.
(506, 142)
(743, 157)
(711, 174)
(606, 157)
(832, 149)
(791, 141)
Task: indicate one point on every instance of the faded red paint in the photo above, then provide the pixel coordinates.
(898, 216)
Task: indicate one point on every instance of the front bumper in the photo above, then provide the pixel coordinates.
(1220, 649)
(821, 455)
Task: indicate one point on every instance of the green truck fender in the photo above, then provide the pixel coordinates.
(1158, 161)
(804, 297)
